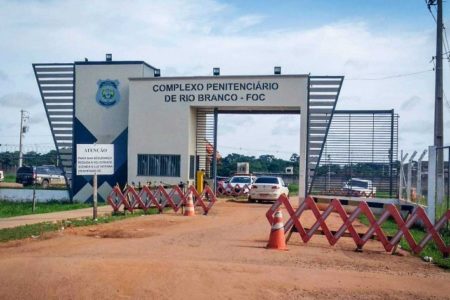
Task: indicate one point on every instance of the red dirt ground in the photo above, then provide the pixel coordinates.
(220, 256)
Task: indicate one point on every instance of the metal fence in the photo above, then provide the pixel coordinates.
(359, 144)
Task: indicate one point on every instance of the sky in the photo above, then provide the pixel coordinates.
(369, 42)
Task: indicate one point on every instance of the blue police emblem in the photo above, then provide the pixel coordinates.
(107, 93)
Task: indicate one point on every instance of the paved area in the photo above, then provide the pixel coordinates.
(50, 217)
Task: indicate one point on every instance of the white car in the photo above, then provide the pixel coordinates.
(2, 176)
(360, 187)
(267, 188)
(239, 182)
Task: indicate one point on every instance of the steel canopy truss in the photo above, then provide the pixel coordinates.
(56, 86)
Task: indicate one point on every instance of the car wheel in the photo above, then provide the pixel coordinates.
(45, 184)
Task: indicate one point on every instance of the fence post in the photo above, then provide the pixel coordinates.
(402, 175)
(431, 197)
(408, 185)
(419, 175)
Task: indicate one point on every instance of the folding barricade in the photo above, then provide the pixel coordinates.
(229, 190)
(130, 199)
(293, 224)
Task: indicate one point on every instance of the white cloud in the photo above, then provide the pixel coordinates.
(288, 125)
(410, 103)
(191, 37)
(19, 100)
(242, 23)
(3, 76)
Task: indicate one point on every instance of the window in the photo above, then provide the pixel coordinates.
(270, 180)
(357, 183)
(191, 167)
(241, 179)
(158, 165)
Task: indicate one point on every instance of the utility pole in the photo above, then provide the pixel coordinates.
(438, 105)
(24, 116)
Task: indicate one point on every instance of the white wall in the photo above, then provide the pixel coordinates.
(106, 124)
(160, 122)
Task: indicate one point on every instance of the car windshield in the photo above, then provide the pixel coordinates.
(240, 180)
(272, 180)
(358, 183)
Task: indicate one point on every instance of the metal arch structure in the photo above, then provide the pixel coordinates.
(323, 94)
(56, 82)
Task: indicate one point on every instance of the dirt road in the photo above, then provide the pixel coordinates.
(219, 256)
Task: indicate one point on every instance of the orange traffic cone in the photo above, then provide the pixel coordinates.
(276, 239)
(189, 209)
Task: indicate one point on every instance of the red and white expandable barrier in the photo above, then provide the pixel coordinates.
(234, 191)
(432, 231)
(159, 198)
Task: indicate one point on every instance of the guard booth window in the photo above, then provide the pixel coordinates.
(158, 165)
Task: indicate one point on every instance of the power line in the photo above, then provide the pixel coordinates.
(443, 91)
(392, 76)
(429, 4)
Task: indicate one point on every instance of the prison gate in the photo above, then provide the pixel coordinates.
(374, 231)
(131, 199)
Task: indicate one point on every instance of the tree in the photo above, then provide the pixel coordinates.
(263, 164)
(295, 158)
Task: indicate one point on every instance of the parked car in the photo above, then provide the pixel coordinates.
(240, 181)
(44, 176)
(2, 176)
(268, 188)
(359, 187)
(222, 179)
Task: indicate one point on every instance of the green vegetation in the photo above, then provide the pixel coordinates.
(36, 230)
(390, 228)
(12, 209)
(293, 189)
(10, 178)
(383, 195)
(264, 163)
(8, 160)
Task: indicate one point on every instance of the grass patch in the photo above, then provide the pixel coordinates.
(293, 189)
(10, 178)
(26, 231)
(390, 228)
(12, 209)
(384, 195)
